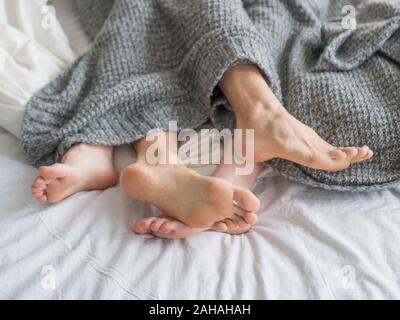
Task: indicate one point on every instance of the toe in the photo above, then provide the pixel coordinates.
(134, 225)
(351, 155)
(167, 227)
(231, 227)
(174, 229)
(368, 153)
(219, 226)
(39, 183)
(141, 226)
(178, 228)
(350, 152)
(357, 154)
(362, 152)
(250, 218)
(157, 223)
(368, 156)
(242, 224)
(245, 200)
(334, 160)
(38, 189)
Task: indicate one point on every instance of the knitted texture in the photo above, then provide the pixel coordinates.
(153, 61)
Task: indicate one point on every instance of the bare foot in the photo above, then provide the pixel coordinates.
(84, 167)
(168, 228)
(184, 195)
(277, 133)
(280, 135)
(229, 174)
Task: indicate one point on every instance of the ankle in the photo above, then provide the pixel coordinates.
(249, 94)
(260, 111)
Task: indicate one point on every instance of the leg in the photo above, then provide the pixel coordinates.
(277, 133)
(182, 195)
(84, 167)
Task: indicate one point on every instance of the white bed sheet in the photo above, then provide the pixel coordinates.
(31, 54)
(308, 244)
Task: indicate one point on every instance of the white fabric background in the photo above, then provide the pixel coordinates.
(308, 244)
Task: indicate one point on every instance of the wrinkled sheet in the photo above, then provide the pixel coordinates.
(33, 50)
(308, 244)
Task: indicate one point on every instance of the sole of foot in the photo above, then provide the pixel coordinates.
(84, 168)
(184, 195)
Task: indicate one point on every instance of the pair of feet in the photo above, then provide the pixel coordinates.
(193, 203)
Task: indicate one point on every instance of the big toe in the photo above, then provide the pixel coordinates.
(177, 230)
(141, 226)
(40, 195)
(364, 153)
(250, 218)
(38, 189)
(168, 226)
(219, 226)
(245, 200)
(356, 155)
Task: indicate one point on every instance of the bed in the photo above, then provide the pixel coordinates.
(308, 244)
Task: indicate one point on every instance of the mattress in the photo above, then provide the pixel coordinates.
(308, 244)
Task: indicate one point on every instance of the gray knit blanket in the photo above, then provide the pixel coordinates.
(153, 61)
